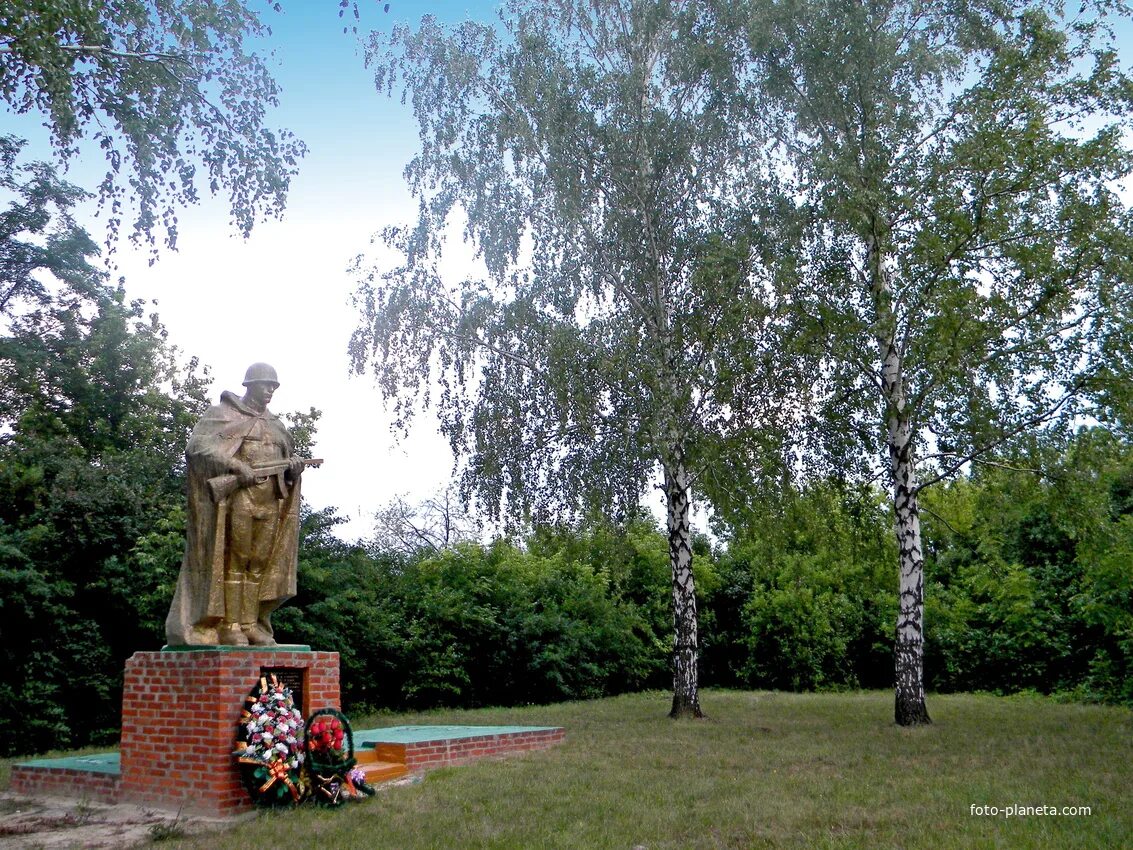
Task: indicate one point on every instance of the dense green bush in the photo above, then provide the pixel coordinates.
(806, 596)
(1030, 574)
(479, 625)
(1029, 566)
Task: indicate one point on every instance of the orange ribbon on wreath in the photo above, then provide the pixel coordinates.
(277, 771)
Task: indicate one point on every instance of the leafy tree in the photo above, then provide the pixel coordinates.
(620, 325)
(303, 427)
(814, 610)
(1002, 578)
(167, 89)
(347, 603)
(38, 236)
(966, 244)
(95, 410)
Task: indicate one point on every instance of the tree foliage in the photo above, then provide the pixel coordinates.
(531, 142)
(435, 523)
(567, 617)
(1029, 575)
(38, 236)
(619, 327)
(818, 607)
(967, 245)
(94, 414)
(168, 90)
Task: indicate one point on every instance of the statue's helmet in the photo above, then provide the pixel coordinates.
(261, 372)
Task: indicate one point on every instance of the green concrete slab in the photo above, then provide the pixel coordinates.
(417, 734)
(94, 763)
(279, 647)
(111, 763)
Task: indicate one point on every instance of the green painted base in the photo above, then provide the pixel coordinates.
(94, 763)
(417, 734)
(279, 647)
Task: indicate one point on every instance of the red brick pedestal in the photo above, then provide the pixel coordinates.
(179, 715)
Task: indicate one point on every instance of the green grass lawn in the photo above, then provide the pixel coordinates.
(764, 770)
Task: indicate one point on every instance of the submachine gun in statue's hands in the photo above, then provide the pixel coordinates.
(223, 486)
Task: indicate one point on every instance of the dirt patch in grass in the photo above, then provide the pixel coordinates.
(54, 823)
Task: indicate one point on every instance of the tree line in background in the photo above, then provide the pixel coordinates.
(1028, 580)
(773, 252)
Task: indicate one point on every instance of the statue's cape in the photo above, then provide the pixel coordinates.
(198, 600)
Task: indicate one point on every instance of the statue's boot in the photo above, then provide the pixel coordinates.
(229, 632)
(254, 631)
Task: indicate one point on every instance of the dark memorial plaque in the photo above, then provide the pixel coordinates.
(293, 678)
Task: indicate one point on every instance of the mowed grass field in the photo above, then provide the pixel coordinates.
(763, 770)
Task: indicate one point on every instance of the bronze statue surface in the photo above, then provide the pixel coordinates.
(242, 540)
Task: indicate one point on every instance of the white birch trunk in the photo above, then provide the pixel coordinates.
(686, 694)
(909, 695)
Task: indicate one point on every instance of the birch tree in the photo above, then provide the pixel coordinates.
(968, 244)
(622, 320)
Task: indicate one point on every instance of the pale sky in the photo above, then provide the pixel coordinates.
(283, 295)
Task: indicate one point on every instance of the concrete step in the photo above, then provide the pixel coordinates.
(369, 755)
(377, 768)
(382, 771)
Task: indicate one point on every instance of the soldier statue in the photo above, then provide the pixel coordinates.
(242, 540)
